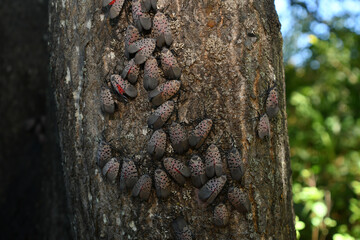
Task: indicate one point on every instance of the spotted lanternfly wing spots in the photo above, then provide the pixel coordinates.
(169, 65)
(151, 74)
(143, 187)
(164, 92)
(239, 199)
(142, 20)
(177, 170)
(213, 163)
(200, 133)
(264, 127)
(131, 36)
(143, 49)
(235, 164)
(157, 144)
(122, 86)
(162, 183)
(181, 229)
(107, 101)
(197, 169)
(162, 30)
(211, 189)
(111, 170)
(161, 115)
(128, 175)
(103, 154)
(272, 103)
(178, 138)
(221, 215)
(131, 72)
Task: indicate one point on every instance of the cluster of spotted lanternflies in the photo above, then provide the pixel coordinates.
(209, 176)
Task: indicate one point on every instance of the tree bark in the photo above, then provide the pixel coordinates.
(230, 52)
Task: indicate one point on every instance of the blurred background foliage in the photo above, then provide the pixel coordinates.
(322, 67)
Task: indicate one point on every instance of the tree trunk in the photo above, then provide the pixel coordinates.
(230, 52)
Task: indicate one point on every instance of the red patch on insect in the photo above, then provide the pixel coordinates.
(178, 171)
(112, 2)
(120, 89)
(129, 70)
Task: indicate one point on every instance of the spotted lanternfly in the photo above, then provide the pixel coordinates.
(200, 133)
(178, 138)
(157, 144)
(177, 170)
(142, 20)
(146, 5)
(111, 170)
(131, 72)
(151, 74)
(211, 189)
(116, 6)
(169, 65)
(128, 175)
(272, 103)
(181, 229)
(162, 183)
(221, 215)
(164, 92)
(103, 154)
(143, 49)
(235, 164)
(131, 36)
(197, 169)
(123, 87)
(239, 199)
(264, 127)
(107, 101)
(143, 187)
(162, 30)
(161, 115)
(213, 163)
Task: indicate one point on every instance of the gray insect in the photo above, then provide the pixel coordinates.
(162, 183)
(164, 92)
(264, 127)
(142, 19)
(151, 74)
(128, 175)
(211, 189)
(111, 170)
(123, 87)
(169, 65)
(272, 103)
(103, 154)
(107, 101)
(235, 164)
(131, 36)
(131, 72)
(143, 49)
(159, 117)
(161, 29)
(239, 199)
(181, 229)
(178, 138)
(177, 170)
(116, 6)
(157, 144)
(142, 188)
(197, 169)
(199, 134)
(221, 215)
(213, 163)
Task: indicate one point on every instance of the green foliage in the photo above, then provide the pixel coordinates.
(323, 105)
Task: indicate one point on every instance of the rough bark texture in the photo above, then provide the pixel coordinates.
(229, 51)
